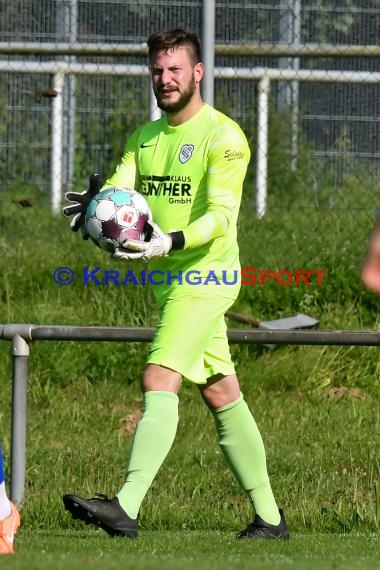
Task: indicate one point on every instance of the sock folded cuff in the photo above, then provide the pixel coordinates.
(159, 395)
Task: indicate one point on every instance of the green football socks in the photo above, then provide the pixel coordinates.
(243, 448)
(152, 441)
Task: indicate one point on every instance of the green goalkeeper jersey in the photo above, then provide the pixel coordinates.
(192, 177)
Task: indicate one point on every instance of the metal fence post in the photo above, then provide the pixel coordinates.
(57, 142)
(262, 146)
(208, 50)
(20, 353)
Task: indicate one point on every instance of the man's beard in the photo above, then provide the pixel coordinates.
(182, 102)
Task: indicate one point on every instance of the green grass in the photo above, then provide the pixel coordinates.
(185, 550)
(317, 407)
(322, 455)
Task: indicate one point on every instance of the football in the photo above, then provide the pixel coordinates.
(115, 214)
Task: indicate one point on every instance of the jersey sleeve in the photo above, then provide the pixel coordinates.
(126, 174)
(227, 163)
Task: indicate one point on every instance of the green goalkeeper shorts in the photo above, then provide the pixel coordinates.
(191, 337)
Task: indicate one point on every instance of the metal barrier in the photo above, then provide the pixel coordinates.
(61, 69)
(22, 334)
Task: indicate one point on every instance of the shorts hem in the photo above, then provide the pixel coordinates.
(187, 377)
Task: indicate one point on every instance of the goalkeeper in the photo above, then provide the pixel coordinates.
(190, 165)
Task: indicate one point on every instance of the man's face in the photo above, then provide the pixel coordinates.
(175, 79)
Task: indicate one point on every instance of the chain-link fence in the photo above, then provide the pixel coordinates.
(74, 83)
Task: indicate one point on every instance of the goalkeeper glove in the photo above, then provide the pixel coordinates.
(160, 244)
(80, 201)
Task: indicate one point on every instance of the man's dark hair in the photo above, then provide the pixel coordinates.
(172, 39)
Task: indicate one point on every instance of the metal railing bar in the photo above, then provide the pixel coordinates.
(145, 334)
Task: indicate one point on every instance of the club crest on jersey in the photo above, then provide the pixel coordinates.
(186, 153)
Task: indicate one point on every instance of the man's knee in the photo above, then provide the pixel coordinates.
(158, 377)
(220, 391)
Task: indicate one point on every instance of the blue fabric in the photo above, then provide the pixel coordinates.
(2, 476)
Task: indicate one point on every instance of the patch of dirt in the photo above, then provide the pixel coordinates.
(351, 393)
(128, 423)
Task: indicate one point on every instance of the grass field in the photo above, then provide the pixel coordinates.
(193, 550)
(317, 407)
